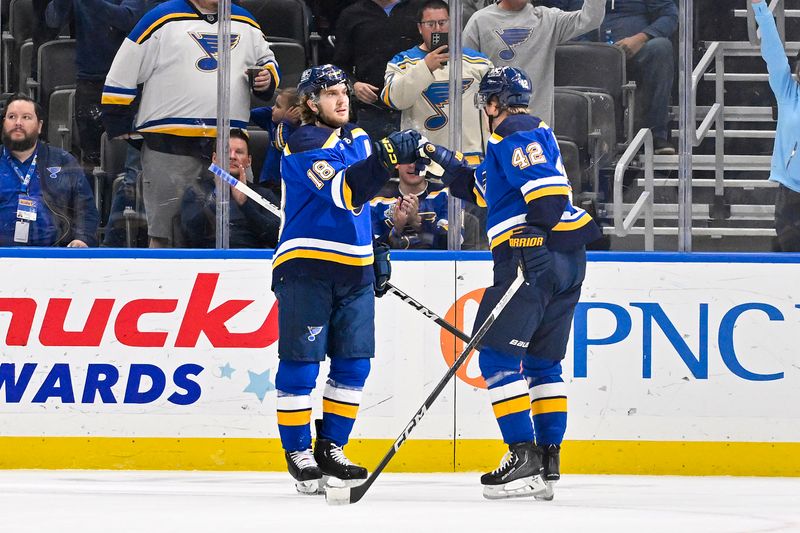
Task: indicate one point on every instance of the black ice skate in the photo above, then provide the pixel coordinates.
(305, 471)
(519, 474)
(337, 469)
(551, 462)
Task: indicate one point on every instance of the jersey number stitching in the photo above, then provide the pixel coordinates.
(320, 172)
(534, 155)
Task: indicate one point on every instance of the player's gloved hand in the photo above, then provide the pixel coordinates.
(382, 267)
(528, 246)
(398, 148)
(445, 164)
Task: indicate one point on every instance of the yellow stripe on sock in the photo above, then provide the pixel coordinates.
(510, 406)
(294, 418)
(549, 405)
(342, 409)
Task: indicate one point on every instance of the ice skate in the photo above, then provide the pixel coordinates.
(551, 462)
(305, 471)
(519, 474)
(337, 470)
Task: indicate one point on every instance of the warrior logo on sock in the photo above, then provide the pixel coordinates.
(313, 331)
(511, 37)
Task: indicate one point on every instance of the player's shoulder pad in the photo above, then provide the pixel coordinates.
(354, 132)
(309, 137)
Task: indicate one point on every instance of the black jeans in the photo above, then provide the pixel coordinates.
(87, 115)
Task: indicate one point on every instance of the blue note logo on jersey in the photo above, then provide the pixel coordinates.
(437, 95)
(512, 37)
(209, 42)
(53, 171)
(313, 331)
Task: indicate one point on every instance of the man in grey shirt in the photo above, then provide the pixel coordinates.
(514, 33)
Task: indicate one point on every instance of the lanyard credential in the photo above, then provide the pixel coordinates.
(25, 180)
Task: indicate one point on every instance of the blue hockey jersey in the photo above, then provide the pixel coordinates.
(522, 181)
(327, 231)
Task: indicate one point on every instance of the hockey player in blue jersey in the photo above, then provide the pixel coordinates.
(532, 225)
(324, 276)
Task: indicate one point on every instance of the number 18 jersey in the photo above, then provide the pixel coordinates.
(323, 235)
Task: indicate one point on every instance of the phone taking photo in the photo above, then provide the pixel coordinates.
(438, 39)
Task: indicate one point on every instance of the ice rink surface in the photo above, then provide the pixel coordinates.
(160, 502)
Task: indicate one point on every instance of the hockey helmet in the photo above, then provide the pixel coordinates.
(314, 79)
(510, 85)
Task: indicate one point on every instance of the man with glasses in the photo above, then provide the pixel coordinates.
(417, 83)
(514, 33)
(368, 34)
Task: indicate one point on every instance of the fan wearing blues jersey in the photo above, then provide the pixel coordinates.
(326, 276)
(533, 226)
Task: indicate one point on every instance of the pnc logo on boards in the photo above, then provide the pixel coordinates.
(452, 346)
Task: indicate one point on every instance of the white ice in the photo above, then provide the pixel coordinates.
(156, 502)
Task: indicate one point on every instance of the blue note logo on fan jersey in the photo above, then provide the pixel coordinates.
(313, 331)
(512, 37)
(437, 95)
(209, 42)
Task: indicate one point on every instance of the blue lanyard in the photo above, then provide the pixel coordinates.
(26, 179)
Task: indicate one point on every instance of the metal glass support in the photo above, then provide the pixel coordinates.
(454, 210)
(223, 120)
(686, 127)
(622, 227)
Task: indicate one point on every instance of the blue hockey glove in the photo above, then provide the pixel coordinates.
(398, 148)
(446, 164)
(529, 251)
(382, 267)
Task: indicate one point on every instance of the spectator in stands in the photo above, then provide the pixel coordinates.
(412, 216)
(280, 121)
(471, 6)
(251, 226)
(172, 52)
(416, 83)
(368, 34)
(45, 199)
(100, 28)
(325, 14)
(40, 31)
(514, 33)
(785, 165)
(643, 29)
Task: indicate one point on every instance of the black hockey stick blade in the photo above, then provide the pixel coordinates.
(444, 324)
(348, 495)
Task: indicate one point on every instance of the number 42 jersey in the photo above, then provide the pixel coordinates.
(326, 231)
(523, 182)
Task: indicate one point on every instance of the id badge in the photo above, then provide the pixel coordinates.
(26, 209)
(21, 231)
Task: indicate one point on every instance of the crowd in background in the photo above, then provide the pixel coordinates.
(164, 103)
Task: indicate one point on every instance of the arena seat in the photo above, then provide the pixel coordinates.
(284, 19)
(598, 67)
(20, 29)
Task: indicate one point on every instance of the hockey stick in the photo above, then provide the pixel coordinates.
(244, 188)
(444, 324)
(347, 495)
